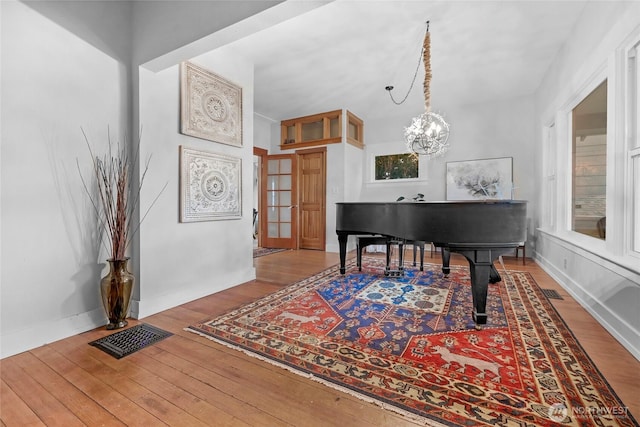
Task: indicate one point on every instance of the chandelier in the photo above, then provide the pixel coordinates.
(428, 133)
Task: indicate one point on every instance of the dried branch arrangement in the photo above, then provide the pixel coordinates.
(116, 197)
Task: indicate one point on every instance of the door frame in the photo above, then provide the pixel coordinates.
(284, 242)
(262, 189)
(261, 153)
(299, 154)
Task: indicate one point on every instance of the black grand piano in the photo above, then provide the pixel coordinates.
(481, 231)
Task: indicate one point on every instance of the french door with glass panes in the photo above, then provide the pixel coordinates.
(280, 228)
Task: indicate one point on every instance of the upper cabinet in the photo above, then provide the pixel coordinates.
(355, 130)
(321, 129)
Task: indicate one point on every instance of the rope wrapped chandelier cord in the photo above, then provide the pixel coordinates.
(428, 133)
(426, 59)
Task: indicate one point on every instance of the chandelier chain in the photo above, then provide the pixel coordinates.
(421, 58)
(415, 75)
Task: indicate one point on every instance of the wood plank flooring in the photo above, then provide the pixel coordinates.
(186, 380)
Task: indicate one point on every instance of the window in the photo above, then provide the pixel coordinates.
(633, 89)
(396, 166)
(589, 161)
(550, 208)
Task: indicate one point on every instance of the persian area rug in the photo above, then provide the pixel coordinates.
(258, 252)
(130, 340)
(409, 345)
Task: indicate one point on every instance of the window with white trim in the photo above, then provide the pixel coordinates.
(613, 128)
(589, 164)
(632, 83)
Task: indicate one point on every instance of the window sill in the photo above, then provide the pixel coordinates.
(396, 181)
(596, 250)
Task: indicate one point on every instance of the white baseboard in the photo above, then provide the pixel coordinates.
(158, 303)
(621, 330)
(36, 336)
(24, 340)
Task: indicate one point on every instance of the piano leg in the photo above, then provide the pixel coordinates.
(494, 276)
(342, 241)
(479, 287)
(482, 272)
(446, 257)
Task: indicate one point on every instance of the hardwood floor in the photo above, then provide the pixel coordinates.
(186, 380)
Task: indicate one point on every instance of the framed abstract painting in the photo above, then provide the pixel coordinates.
(480, 179)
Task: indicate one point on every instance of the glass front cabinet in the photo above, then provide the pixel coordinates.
(321, 129)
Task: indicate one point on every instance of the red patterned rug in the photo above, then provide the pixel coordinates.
(409, 344)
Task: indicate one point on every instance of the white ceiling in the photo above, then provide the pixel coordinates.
(343, 54)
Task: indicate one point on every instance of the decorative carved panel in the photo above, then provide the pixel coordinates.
(210, 106)
(210, 186)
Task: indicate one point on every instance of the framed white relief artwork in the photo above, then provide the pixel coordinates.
(210, 186)
(210, 106)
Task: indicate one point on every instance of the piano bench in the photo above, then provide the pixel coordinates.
(364, 241)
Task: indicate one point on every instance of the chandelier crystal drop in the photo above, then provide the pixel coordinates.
(429, 132)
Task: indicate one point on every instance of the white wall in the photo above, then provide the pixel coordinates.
(594, 272)
(53, 83)
(67, 65)
(344, 183)
(71, 71)
(180, 262)
(353, 163)
(164, 26)
(501, 129)
(481, 131)
(262, 128)
(336, 188)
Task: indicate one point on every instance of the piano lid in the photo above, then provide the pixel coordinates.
(465, 222)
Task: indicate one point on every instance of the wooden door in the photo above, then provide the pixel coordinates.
(280, 228)
(312, 199)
